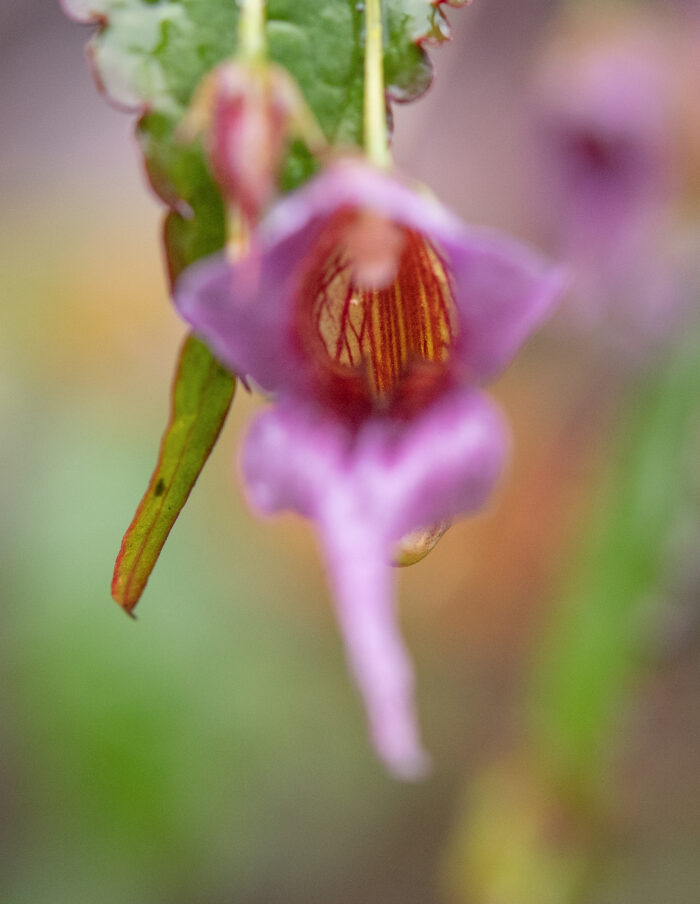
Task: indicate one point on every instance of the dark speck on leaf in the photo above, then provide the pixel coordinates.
(159, 487)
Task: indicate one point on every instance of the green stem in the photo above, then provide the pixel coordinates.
(252, 45)
(376, 137)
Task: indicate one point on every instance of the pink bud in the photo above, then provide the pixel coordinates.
(246, 113)
(248, 135)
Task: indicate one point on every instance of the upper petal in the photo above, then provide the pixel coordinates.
(503, 292)
(503, 288)
(219, 299)
(245, 310)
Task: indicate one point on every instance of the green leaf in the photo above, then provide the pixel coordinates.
(202, 394)
(202, 390)
(150, 55)
(153, 53)
(195, 225)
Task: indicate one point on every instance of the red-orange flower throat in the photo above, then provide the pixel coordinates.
(376, 317)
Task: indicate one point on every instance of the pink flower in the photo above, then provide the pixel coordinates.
(372, 314)
(604, 116)
(609, 167)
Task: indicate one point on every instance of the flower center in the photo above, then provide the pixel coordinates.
(375, 317)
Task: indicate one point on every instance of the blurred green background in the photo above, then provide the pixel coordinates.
(215, 751)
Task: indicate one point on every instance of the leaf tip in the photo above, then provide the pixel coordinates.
(124, 593)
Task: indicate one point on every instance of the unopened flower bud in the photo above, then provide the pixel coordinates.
(246, 113)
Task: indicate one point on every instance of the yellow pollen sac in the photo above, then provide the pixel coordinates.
(415, 546)
(383, 308)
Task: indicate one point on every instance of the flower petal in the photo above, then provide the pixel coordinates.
(365, 491)
(218, 298)
(244, 311)
(445, 463)
(401, 475)
(503, 292)
(363, 582)
(503, 288)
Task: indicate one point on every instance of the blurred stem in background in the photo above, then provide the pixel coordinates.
(529, 823)
(598, 642)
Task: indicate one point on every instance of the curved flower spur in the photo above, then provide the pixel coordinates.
(372, 314)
